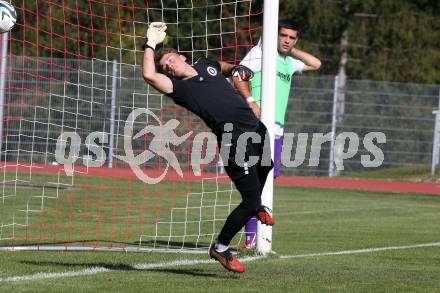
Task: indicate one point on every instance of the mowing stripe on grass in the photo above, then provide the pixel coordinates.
(366, 250)
(97, 270)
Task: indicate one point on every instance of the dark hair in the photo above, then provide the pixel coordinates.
(159, 54)
(289, 24)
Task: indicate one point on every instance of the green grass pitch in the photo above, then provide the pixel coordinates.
(308, 221)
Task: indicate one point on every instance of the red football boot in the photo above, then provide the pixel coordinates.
(264, 214)
(226, 260)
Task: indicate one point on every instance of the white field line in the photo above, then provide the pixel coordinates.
(97, 270)
(149, 266)
(42, 276)
(366, 250)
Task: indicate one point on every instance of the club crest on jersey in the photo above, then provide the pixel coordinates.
(211, 70)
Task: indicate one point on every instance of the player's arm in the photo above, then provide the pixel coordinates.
(226, 68)
(157, 80)
(240, 79)
(155, 35)
(310, 61)
(239, 71)
(253, 61)
(242, 88)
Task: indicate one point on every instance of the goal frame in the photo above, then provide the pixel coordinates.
(264, 233)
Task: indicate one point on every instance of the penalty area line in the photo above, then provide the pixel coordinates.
(366, 250)
(98, 270)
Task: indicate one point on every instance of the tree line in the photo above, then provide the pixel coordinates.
(393, 40)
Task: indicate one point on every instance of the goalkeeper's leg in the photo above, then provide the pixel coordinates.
(250, 190)
(250, 228)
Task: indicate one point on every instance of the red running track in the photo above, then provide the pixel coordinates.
(315, 182)
(361, 184)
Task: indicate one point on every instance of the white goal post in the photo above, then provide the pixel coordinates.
(270, 36)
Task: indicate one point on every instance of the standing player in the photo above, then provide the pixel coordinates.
(204, 90)
(290, 60)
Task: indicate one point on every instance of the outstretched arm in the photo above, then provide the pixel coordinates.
(157, 80)
(310, 61)
(155, 35)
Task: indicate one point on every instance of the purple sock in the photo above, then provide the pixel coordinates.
(277, 155)
(251, 231)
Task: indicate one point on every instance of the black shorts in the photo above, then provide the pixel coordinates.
(242, 167)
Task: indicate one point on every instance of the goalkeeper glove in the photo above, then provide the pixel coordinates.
(242, 72)
(155, 34)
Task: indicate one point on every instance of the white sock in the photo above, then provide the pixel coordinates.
(220, 247)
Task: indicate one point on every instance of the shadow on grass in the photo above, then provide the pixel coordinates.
(219, 273)
(198, 273)
(113, 267)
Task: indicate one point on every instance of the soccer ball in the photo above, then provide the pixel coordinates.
(8, 16)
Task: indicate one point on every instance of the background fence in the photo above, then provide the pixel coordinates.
(81, 101)
(402, 111)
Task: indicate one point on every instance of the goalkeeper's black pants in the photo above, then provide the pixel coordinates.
(249, 182)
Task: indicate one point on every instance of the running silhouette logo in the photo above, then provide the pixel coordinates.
(163, 137)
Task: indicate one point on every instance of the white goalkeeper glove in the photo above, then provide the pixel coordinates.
(155, 34)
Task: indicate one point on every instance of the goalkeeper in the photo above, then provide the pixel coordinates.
(204, 90)
(290, 60)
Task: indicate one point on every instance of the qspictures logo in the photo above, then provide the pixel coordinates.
(164, 139)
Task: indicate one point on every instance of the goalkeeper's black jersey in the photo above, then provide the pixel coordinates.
(211, 97)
